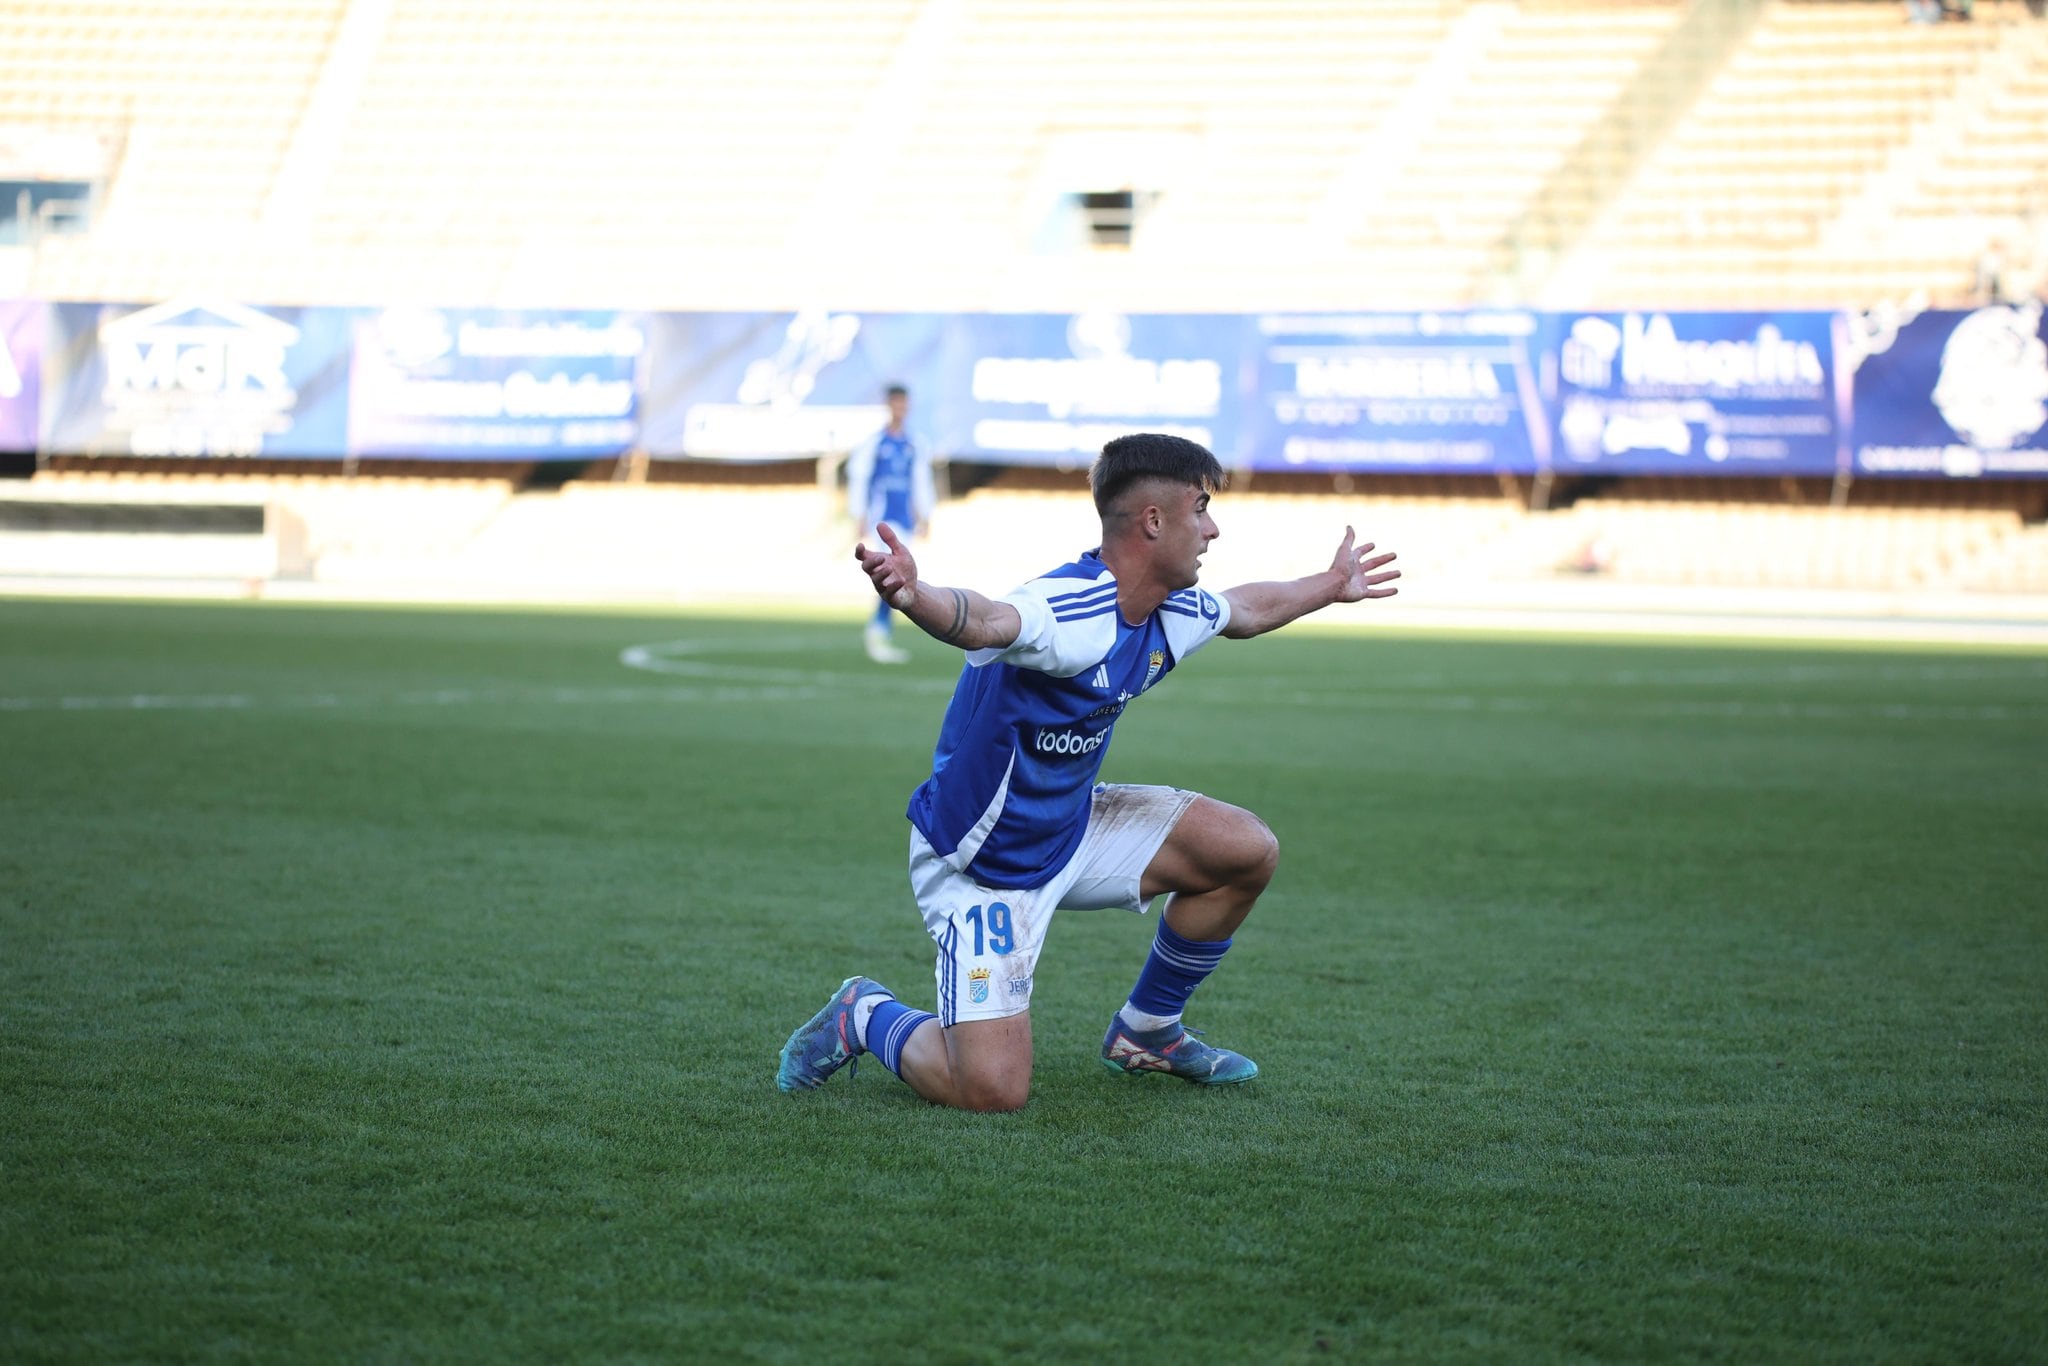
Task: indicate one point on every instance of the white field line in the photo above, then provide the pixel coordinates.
(1422, 692)
(434, 697)
(715, 681)
(686, 657)
(1367, 700)
(1758, 674)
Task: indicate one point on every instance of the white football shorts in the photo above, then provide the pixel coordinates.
(989, 937)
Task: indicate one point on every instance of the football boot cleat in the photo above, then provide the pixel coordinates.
(826, 1042)
(1174, 1050)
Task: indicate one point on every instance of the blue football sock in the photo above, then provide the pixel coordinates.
(884, 617)
(1172, 971)
(889, 1028)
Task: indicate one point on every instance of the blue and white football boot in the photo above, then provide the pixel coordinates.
(1174, 1050)
(826, 1042)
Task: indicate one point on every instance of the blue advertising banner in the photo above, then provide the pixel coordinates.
(195, 378)
(490, 384)
(1051, 388)
(1693, 393)
(1012, 388)
(21, 372)
(1432, 392)
(1963, 394)
(764, 386)
(1941, 394)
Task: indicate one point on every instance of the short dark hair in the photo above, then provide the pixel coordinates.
(895, 391)
(1152, 455)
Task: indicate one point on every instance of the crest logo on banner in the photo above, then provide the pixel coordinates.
(1091, 336)
(1993, 388)
(1587, 356)
(414, 337)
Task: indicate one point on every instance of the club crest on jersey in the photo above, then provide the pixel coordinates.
(1152, 668)
(977, 985)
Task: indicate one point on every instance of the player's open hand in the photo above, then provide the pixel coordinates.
(891, 569)
(1360, 572)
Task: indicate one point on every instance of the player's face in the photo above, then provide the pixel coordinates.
(899, 405)
(1189, 529)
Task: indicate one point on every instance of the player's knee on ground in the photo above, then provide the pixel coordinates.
(993, 1095)
(988, 1064)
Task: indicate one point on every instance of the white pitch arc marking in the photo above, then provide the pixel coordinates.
(686, 659)
(680, 657)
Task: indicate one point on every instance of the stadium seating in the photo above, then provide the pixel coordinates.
(1460, 544)
(2015, 564)
(704, 538)
(206, 94)
(1536, 81)
(902, 154)
(1782, 546)
(924, 153)
(201, 101)
(1784, 184)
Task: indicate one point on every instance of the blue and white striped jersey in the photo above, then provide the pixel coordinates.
(1028, 727)
(889, 479)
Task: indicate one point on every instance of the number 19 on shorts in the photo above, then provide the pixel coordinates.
(992, 932)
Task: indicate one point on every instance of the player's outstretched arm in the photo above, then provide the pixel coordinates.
(957, 616)
(1354, 575)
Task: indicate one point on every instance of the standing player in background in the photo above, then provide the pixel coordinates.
(889, 483)
(1012, 825)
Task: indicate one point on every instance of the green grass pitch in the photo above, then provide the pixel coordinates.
(402, 984)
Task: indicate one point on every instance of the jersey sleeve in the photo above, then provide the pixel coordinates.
(1068, 626)
(1193, 617)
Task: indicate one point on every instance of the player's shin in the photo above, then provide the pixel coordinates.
(1172, 971)
(889, 1029)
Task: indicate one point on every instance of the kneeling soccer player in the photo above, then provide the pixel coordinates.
(1012, 825)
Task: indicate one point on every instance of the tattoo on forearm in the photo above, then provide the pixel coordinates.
(953, 632)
